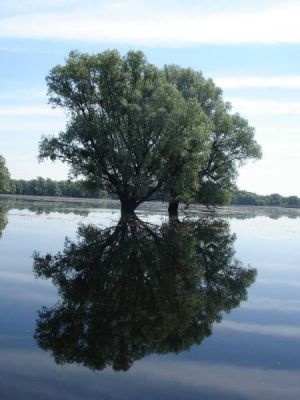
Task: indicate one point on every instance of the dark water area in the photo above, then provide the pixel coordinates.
(205, 307)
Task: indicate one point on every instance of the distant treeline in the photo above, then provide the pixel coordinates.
(242, 197)
(49, 187)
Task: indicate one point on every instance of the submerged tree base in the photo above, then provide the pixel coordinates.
(128, 207)
(173, 209)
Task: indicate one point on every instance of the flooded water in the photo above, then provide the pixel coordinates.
(205, 307)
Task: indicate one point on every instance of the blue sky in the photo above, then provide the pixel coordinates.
(250, 49)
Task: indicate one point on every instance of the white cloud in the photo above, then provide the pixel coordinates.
(20, 277)
(24, 93)
(270, 281)
(29, 111)
(269, 330)
(292, 132)
(29, 125)
(26, 166)
(233, 381)
(260, 82)
(26, 6)
(152, 23)
(159, 375)
(264, 107)
(266, 303)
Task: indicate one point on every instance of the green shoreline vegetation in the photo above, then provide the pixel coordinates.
(242, 197)
(66, 188)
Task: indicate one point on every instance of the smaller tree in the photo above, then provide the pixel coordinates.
(231, 139)
(232, 144)
(4, 176)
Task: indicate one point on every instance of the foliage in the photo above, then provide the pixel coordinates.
(49, 187)
(135, 289)
(129, 131)
(231, 138)
(4, 176)
(241, 197)
(212, 194)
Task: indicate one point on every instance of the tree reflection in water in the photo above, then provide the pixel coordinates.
(135, 289)
(3, 219)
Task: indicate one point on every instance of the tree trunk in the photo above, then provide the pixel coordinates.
(173, 209)
(128, 206)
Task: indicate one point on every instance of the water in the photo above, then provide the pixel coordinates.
(148, 310)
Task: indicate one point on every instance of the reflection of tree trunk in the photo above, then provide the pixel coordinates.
(173, 209)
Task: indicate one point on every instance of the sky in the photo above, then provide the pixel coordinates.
(251, 49)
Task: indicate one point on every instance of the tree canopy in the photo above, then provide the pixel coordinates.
(134, 129)
(231, 139)
(4, 176)
(135, 288)
(129, 131)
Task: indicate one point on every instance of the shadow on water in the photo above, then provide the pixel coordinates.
(135, 289)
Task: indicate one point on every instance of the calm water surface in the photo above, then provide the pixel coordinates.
(205, 308)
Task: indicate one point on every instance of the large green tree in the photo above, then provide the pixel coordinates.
(4, 176)
(231, 139)
(129, 130)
